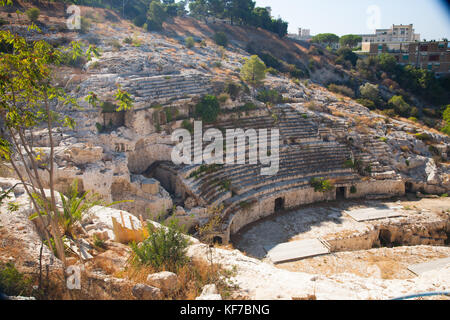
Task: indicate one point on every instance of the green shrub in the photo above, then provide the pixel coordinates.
(271, 96)
(249, 106)
(128, 40)
(353, 189)
(189, 41)
(99, 127)
(346, 91)
(3, 22)
(233, 89)
(369, 91)
(367, 103)
(186, 124)
(272, 71)
(12, 282)
(223, 97)
(208, 108)
(225, 185)
(33, 14)
(68, 60)
(140, 20)
(115, 44)
(400, 106)
(164, 249)
(108, 107)
(349, 164)
(321, 184)
(423, 136)
(221, 39)
(99, 243)
(217, 64)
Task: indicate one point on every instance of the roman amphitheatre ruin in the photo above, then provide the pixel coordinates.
(368, 236)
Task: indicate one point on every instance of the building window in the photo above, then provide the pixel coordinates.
(434, 57)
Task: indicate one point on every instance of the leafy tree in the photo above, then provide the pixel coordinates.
(156, 15)
(33, 14)
(387, 62)
(199, 9)
(327, 39)
(400, 106)
(208, 108)
(261, 18)
(346, 54)
(370, 91)
(216, 8)
(28, 101)
(253, 71)
(221, 39)
(350, 40)
(239, 10)
(279, 27)
(124, 100)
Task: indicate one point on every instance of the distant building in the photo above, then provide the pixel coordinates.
(397, 33)
(432, 55)
(269, 10)
(303, 34)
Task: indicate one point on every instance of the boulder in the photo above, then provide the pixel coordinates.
(209, 292)
(81, 153)
(165, 280)
(145, 292)
(180, 211)
(190, 203)
(112, 261)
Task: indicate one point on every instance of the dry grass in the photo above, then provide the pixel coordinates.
(191, 279)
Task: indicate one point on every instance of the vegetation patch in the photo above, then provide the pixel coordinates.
(321, 184)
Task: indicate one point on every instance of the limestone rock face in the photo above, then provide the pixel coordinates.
(18, 234)
(145, 292)
(81, 153)
(100, 219)
(165, 280)
(113, 260)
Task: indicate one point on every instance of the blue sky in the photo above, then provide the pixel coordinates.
(430, 18)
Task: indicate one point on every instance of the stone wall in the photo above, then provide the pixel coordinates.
(265, 207)
(294, 198)
(390, 188)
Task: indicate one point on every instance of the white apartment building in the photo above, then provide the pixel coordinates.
(396, 34)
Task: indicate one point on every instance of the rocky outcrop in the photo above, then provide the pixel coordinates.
(145, 292)
(166, 281)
